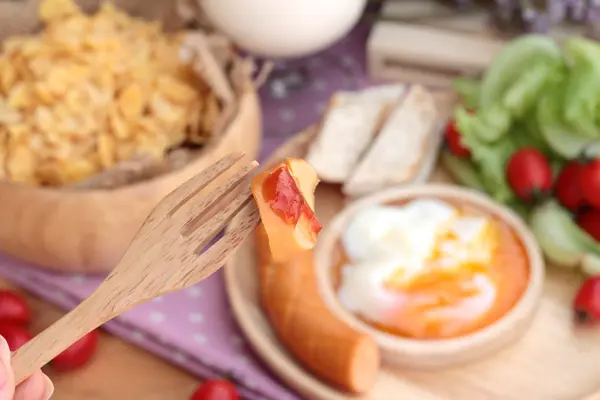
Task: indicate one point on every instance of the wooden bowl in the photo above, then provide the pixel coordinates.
(89, 230)
(553, 361)
(432, 354)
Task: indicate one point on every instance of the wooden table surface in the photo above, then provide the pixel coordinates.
(118, 370)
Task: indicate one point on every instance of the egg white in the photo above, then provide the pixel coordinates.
(385, 241)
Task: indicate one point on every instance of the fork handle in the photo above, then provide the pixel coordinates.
(56, 338)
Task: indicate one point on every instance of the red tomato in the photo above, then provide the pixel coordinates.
(15, 335)
(13, 308)
(529, 174)
(586, 304)
(77, 354)
(589, 181)
(453, 138)
(589, 221)
(567, 189)
(220, 389)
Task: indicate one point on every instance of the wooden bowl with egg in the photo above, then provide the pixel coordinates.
(84, 223)
(408, 324)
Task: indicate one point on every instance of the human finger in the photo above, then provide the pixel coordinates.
(7, 377)
(37, 387)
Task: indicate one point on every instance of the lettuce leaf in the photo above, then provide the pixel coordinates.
(488, 125)
(582, 99)
(490, 158)
(561, 138)
(468, 90)
(582, 96)
(462, 170)
(523, 93)
(579, 50)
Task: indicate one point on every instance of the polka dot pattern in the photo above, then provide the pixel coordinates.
(194, 292)
(196, 318)
(199, 338)
(194, 328)
(157, 317)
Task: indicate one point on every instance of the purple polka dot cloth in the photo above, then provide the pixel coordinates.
(194, 328)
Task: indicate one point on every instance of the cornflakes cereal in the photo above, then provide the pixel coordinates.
(91, 91)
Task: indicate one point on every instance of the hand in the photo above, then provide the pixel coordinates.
(36, 387)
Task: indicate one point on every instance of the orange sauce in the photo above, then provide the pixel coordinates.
(440, 304)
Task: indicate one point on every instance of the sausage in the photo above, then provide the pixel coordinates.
(324, 345)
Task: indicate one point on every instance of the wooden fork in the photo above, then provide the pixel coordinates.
(163, 257)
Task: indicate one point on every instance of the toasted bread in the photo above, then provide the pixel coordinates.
(401, 146)
(348, 127)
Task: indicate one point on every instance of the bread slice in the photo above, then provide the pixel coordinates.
(347, 129)
(401, 146)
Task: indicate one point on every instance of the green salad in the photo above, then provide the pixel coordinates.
(528, 134)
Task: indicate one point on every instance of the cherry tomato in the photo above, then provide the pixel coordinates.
(453, 139)
(567, 189)
(220, 389)
(78, 354)
(589, 181)
(13, 308)
(589, 221)
(529, 174)
(15, 335)
(586, 304)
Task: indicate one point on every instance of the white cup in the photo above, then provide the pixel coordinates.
(283, 28)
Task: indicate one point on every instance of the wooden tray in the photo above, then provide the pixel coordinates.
(554, 361)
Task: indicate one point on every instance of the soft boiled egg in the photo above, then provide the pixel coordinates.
(412, 258)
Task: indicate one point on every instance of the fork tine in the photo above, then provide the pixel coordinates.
(191, 187)
(216, 256)
(199, 235)
(200, 211)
